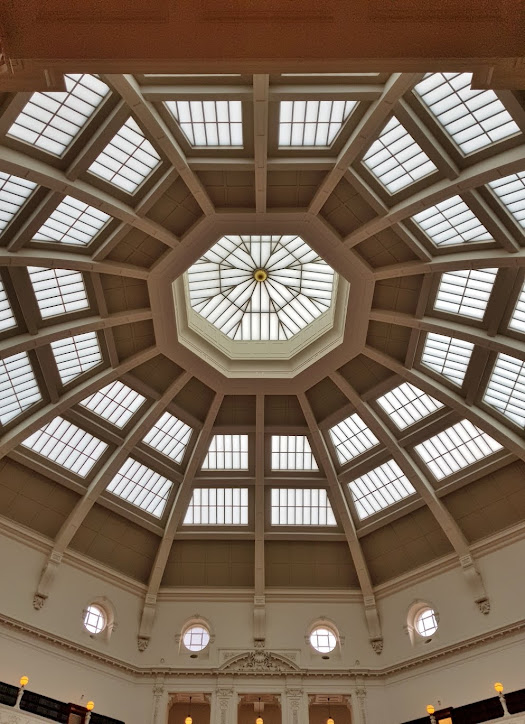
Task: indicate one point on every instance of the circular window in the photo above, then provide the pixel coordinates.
(426, 622)
(94, 619)
(323, 640)
(196, 638)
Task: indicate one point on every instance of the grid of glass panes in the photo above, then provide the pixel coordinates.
(301, 506)
(506, 388)
(426, 622)
(7, 318)
(517, 321)
(72, 222)
(142, 487)
(94, 619)
(170, 436)
(18, 386)
(196, 638)
(218, 506)
(312, 123)
(51, 121)
(77, 354)
(14, 192)
(227, 452)
(116, 403)
(407, 404)
(67, 445)
(511, 192)
(451, 222)
(209, 123)
(395, 159)
(379, 489)
(456, 448)
(58, 291)
(466, 292)
(292, 452)
(447, 356)
(351, 437)
(127, 160)
(472, 118)
(323, 640)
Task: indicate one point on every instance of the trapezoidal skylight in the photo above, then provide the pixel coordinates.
(72, 222)
(58, 291)
(116, 403)
(465, 292)
(227, 452)
(260, 288)
(170, 436)
(127, 160)
(379, 489)
(52, 121)
(447, 356)
(7, 318)
(407, 404)
(18, 386)
(301, 506)
(472, 118)
(312, 123)
(67, 445)
(506, 388)
(517, 321)
(77, 354)
(142, 487)
(218, 506)
(511, 192)
(292, 452)
(451, 222)
(351, 437)
(456, 448)
(14, 192)
(209, 123)
(396, 159)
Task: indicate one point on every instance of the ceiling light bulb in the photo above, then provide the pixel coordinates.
(498, 687)
(259, 720)
(430, 709)
(90, 705)
(188, 720)
(330, 720)
(24, 681)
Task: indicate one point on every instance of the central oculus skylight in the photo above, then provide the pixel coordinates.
(260, 288)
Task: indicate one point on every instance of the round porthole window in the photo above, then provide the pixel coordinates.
(94, 619)
(323, 639)
(196, 638)
(426, 622)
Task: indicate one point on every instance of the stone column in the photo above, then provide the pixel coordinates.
(294, 705)
(160, 709)
(359, 706)
(224, 707)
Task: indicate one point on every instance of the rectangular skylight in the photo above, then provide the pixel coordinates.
(7, 318)
(465, 292)
(312, 123)
(52, 121)
(142, 487)
(472, 118)
(447, 356)
(511, 192)
(351, 437)
(301, 506)
(451, 222)
(75, 355)
(218, 506)
(379, 489)
(517, 321)
(72, 222)
(170, 436)
(14, 192)
(456, 448)
(127, 160)
(58, 291)
(116, 403)
(227, 452)
(407, 404)
(395, 159)
(18, 386)
(209, 123)
(506, 388)
(67, 445)
(292, 452)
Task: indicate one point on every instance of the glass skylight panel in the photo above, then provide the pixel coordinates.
(227, 452)
(407, 404)
(447, 355)
(75, 355)
(472, 118)
(51, 121)
(312, 123)
(127, 160)
(72, 222)
(395, 159)
(58, 291)
(292, 452)
(18, 386)
(465, 292)
(506, 388)
(116, 403)
(511, 192)
(170, 436)
(7, 318)
(260, 288)
(67, 445)
(379, 489)
(451, 222)
(142, 487)
(301, 506)
(209, 123)
(14, 192)
(517, 321)
(218, 506)
(456, 448)
(351, 437)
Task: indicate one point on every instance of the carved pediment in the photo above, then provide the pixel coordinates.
(259, 661)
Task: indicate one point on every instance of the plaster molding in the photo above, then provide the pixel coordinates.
(259, 661)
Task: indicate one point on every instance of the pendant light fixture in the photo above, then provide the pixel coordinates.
(259, 719)
(329, 720)
(188, 719)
